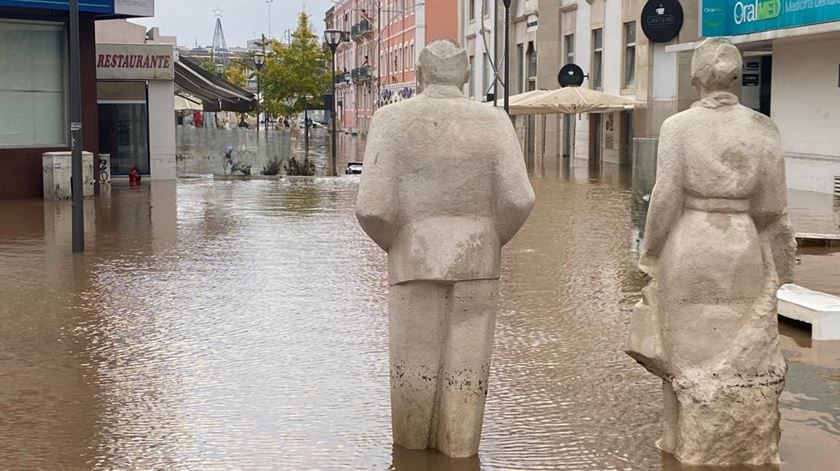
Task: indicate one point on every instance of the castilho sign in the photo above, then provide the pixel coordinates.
(734, 17)
(134, 62)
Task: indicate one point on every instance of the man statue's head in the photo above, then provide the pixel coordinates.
(715, 66)
(443, 62)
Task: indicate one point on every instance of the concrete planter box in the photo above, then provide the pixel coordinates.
(57, 168)
(821, 310)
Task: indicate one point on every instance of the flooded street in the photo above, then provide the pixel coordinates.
(242, 325)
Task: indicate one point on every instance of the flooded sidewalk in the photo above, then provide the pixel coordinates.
(243, 325)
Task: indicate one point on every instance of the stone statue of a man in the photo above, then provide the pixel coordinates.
(718, 243)
(444, 188)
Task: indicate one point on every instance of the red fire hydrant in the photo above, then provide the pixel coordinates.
(134, 177)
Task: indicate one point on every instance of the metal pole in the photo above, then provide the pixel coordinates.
(333, 170)
(306, 126)
(266, 114)
(378, 53)
(258, 107)
(78, 215)
(269, 2)
(495, 50)
(507, 53)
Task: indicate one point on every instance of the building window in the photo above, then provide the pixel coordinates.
(629, 54)
(471, 8)
(32, 86)
(569, 48)
(520, 65)
(532, 66)
(597, 56)
(484, 10)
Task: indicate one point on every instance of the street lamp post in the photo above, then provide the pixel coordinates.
(507, 56)
(259, 61)
(333, 38)
(78, 215)
(269, 2)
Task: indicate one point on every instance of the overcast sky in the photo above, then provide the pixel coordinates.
(194, 20)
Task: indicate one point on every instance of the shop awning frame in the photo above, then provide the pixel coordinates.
(215, 93)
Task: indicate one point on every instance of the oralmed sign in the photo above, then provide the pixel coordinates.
(734, 17)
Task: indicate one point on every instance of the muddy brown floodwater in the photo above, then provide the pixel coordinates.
(242, 325)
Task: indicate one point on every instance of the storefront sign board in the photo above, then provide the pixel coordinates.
(93, 6)
(134, 62)
(735, 17)
(117, 8)
(145, 8)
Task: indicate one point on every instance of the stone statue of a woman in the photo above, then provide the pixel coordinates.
(718, 243)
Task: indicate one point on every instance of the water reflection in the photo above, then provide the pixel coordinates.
(242, 324)
(426, 460)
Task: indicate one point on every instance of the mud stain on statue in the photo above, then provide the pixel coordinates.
(719, 221)
(735, 158)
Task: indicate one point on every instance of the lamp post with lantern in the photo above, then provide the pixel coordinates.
(259, 62)
(333, 39)
(507, 56)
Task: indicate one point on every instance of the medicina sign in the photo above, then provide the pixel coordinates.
(734, 17)
(117, 8)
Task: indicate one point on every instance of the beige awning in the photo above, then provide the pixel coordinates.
(567, 100)
(183, 103)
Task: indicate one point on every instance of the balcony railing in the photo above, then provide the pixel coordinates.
(361, 74)
(361, 29)
(341, 79)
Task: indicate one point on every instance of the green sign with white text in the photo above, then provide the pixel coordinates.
(735, 17)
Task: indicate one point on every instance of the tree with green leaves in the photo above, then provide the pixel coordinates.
(236, 73)
(296, 75)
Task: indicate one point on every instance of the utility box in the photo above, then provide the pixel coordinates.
(57, 167)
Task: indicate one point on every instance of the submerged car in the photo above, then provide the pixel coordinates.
(354, 168)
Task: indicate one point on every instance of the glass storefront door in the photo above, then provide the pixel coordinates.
(124, 126)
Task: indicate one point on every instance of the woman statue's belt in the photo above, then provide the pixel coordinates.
(717, 205)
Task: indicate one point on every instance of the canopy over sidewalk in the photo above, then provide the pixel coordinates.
(566, 100)
(215, 93)
(184, 102)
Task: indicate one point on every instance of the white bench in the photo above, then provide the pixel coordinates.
(821, 310)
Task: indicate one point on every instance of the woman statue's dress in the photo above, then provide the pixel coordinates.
(717, 245)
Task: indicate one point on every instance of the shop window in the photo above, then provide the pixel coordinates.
(33, 111)
(124, 126)
(629, 54)
(597, 57)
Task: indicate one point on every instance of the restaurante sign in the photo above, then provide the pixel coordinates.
(134, 62)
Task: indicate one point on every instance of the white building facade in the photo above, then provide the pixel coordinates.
(135, 99)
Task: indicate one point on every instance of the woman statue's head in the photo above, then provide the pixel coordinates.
(715, 66)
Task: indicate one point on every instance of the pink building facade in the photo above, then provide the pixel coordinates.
(385, 38)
